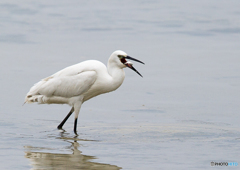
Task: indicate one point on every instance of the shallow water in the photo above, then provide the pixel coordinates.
(183, 113)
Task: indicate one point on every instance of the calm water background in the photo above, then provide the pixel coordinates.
(183, 114)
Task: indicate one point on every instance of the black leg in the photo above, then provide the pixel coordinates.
(65, 119)
(75, 126)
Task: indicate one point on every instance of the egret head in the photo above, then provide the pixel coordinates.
(120, 57)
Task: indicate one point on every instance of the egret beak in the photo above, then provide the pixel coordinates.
(129, 65)
(130, 58)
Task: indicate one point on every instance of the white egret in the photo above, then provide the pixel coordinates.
(80, 82)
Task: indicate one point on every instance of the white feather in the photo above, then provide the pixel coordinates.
(78, 83)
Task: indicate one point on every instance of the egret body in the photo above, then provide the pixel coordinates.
(78, 83)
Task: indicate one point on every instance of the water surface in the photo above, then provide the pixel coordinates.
(183, 113)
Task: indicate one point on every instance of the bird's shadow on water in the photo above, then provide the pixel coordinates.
(64, 135)
(40, 159)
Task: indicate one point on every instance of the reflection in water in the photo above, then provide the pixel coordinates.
(43, 160)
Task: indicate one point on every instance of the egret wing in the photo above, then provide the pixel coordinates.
(76, 68)
(70, 81)
(68, 86)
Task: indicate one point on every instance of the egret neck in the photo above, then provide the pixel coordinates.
(117, 74)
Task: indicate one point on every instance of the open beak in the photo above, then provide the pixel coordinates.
(130, 65)
(130, 58)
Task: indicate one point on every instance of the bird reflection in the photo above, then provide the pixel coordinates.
(76, 160)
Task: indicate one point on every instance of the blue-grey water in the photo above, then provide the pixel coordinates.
(183, 114)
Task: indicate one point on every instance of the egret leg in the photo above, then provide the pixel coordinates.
(75, 126)
(77, 107)
(65, 119)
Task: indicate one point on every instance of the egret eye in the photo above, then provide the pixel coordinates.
(120, 56)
